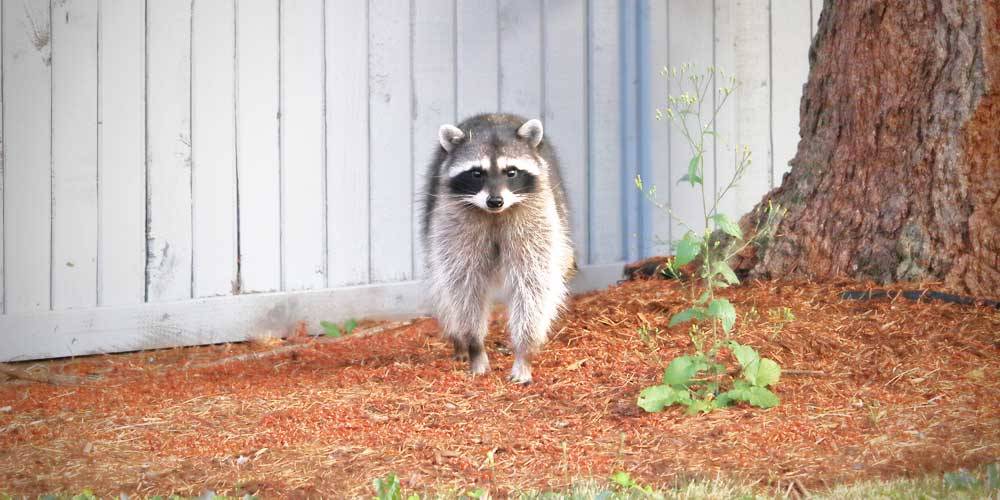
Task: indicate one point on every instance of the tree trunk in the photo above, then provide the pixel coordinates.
(897, 174)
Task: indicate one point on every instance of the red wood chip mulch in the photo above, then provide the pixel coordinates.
(907, 388)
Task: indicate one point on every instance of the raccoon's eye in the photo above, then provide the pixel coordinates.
(477, 172)
(511, 172)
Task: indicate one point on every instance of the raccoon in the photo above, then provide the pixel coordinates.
(495, 226)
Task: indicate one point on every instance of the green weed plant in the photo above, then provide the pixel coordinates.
(702, 381)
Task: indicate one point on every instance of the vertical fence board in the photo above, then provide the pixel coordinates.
(691, 42)
(302, 145)
(168, 150)
(606, 173)
(658, 229)
(566, 107)
(347, 142)
(2, 304)
(725, 144)
(27, 154)
(434, 96)
(477, 61)
(122, 152)
(257, 144)
(213, 156)
(631, 59)
(391, 173)
(521, 57)
(790, 67)
(74, 154)
(753, 101)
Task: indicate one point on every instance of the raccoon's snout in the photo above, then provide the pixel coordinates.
(494, 202)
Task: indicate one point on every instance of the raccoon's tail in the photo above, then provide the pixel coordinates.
(572, 270)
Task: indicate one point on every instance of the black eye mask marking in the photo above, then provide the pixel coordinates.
(521, 183)
(467, 182)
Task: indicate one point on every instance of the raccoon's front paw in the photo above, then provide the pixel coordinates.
(520, 373)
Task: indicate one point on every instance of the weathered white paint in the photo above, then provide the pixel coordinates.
(477, 63)
(257, 144)
(607, 176)
(121, 146)
(753, 102)
(1, 166)
(213, 156)
(74, 154)
(347, 129)
(726, 145)
(310, 124)
(690, 43)
(391, 191)
(433, 96)
(790, 38)
(78, 332)
(27, 78)
(659, 228)
(303, 175)
(520, 73)
(168, 150)
(565, 115)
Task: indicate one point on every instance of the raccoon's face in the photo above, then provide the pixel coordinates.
(493, 176)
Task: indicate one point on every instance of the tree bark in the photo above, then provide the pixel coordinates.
(897, 174)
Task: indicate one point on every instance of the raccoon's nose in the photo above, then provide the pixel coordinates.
(494, 201)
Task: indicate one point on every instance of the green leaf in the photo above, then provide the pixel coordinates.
(680, 370)
(695, 313)
(693, 180)
(723, 269)
(622, 478)
(349, 326)
(744, 354)
(762, 397)
(687, 249)
(768, 373)
(723, 311)
(331, 329)
(654, 399)
(692, 175)
(703, 298)
(727, 225)
(700, 406)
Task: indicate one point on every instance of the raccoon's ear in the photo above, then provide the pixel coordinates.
(531, 131)
(450, 136)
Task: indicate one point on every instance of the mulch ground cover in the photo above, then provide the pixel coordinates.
(903, 388)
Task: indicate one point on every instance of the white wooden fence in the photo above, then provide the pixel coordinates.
(179, 172)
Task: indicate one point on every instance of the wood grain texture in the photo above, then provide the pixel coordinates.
(753, 102)
(168, 150)
(607, 175)
(790, 37)
(726, 141)
(521, 67)
(303, 245)
(27, 59)
(690, 42)
(74, 154)
(477, 57)
(38, 335)
(2, 287)
(391, 171)
(433, 97)
(347, 143)
(121, 148)
(257, 144)
(659, 228)
(213, 159)
(565, 115)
